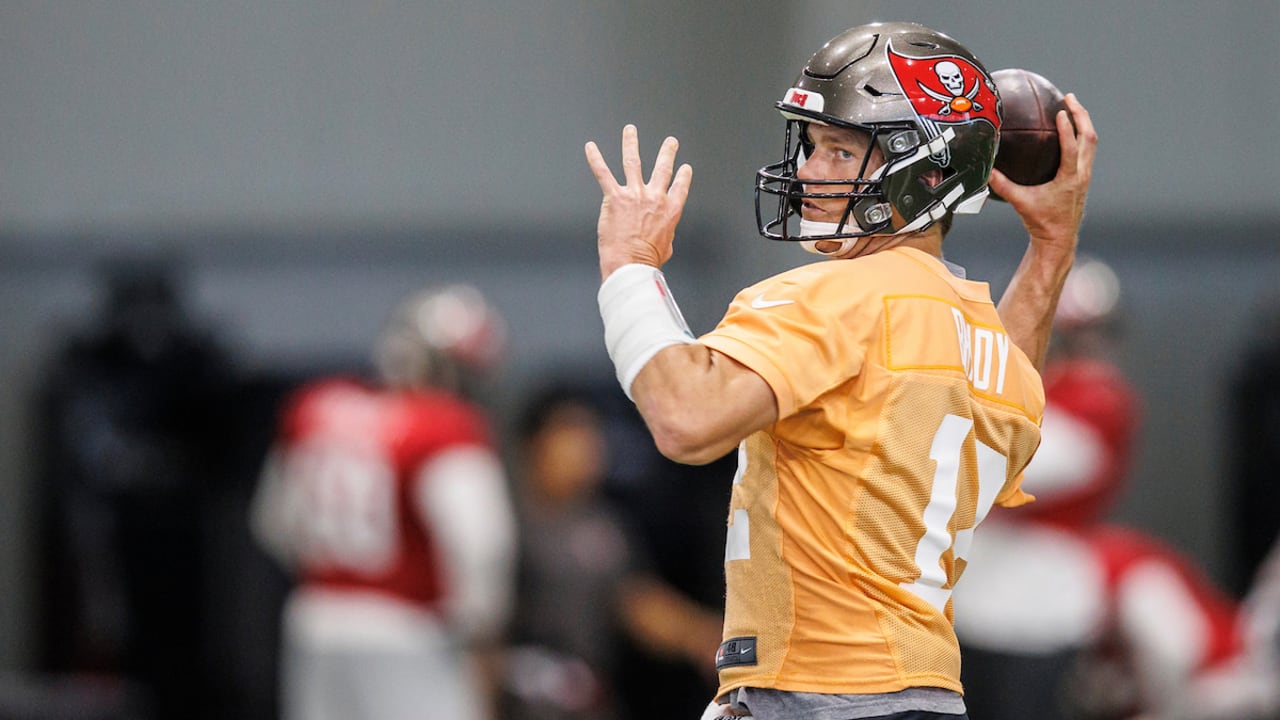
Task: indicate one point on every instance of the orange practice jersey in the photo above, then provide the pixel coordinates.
(905, 413)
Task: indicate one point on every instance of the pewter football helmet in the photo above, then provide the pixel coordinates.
(925, 101)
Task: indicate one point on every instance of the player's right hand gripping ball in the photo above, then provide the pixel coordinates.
(1029, 150)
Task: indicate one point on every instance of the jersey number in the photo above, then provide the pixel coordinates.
(946, 451)
(345, 508)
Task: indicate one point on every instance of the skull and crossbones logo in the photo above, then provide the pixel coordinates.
(952, 80)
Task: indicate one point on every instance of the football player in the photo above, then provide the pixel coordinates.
(881, 404)
(392, 507)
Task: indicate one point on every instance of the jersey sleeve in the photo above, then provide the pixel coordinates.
(802, 332)
(462, 495)
(1012, 495)
(1031, 403)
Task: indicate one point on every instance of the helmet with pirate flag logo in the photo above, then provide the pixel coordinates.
(927, 104)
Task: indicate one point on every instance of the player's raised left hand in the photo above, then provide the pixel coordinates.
(638, 219)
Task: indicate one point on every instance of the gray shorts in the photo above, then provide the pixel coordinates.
(910, 704)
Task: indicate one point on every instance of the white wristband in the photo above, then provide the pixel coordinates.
(640, 318)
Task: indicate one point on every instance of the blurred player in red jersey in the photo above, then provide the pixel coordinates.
(393, 508)
(1063, 615)
(880, 402)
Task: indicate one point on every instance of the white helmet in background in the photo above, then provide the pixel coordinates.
(1090, 295)
(440, 337)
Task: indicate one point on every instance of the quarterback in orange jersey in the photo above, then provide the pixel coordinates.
(881, 403)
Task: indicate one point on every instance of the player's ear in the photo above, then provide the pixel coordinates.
(932, 178)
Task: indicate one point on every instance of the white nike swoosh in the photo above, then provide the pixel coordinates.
(760, 303)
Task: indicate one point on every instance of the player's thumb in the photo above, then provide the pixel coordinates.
(1001, 185)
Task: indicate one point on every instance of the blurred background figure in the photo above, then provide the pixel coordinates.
(1062, 615)
(586, 587)
(390, 503)
(1245, 684)
(131, 433)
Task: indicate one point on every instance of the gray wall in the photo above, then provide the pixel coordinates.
(311, 161)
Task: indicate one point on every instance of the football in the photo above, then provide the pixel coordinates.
(1029, 151)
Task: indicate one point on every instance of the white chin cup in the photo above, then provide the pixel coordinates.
(813, 227)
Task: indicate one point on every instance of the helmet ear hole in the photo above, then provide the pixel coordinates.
(932, 178)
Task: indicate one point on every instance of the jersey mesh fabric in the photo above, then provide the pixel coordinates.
(867, 361)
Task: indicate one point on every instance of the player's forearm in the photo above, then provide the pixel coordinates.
(1028, 304)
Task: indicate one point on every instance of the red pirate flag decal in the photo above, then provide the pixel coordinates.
(946, 88)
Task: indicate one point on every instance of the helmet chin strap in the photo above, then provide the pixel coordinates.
(813, 227)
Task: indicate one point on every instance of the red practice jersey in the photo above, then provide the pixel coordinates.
(1092, 417)
(349, 467)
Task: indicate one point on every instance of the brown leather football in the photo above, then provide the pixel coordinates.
(1029, 150)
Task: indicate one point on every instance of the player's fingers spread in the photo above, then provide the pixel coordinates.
(679, 191)
(1084, 158)
(663, 165)
(631, 167)
(1077, 150)
(600, 168)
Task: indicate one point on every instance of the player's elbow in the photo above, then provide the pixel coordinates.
(685, 448)
(684, 434)
(699, 404)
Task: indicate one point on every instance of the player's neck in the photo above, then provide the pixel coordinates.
(928, 240)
